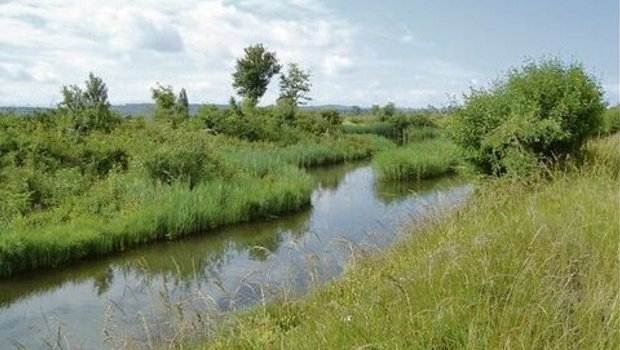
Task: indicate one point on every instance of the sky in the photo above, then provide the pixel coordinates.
(414, 53)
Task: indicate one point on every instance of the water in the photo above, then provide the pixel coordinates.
(149, 293)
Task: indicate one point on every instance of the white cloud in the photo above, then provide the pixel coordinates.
(134, 29)
(134, 44)
(334, 64)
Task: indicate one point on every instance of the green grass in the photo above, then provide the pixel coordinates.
(68, 196)
(378, 128)
(422, 160)
(527, 265)
(161, 212)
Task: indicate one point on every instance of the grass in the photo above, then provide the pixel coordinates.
(421, 160)
(378, 128)
(68, 196)
(161, 213)
(527, 265)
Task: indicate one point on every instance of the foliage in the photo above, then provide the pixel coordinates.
(168, 106)
(182, 105)
(402, 128)
(87, 109)
(529, 266)
(388, 111)
(541, 112)
(254, 71)
(610, 121)
(295, 85)
(332, 117)
(375, 110)
(66, 196)
(418, 161)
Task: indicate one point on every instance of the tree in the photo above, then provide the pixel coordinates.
(182, 106)
(168, 106)
(541, 112)
(88, 109)
(165, 101)
(388, 111)
(375, 110)
(295, 85)
(254, 71)
(356, 110)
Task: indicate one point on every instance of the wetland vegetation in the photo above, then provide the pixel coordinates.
(530, 261)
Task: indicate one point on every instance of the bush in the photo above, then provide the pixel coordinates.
(611, 121)
(540, 113)
(170, 165)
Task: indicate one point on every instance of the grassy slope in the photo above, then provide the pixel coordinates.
(527, 267)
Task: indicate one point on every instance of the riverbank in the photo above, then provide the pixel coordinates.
(526, 264)
(69, 196)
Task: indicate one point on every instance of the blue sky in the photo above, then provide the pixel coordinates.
(413, 53)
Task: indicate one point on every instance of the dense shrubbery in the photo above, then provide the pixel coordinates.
(67, 193)
(402, 128)
(611, 121)
(541, 112)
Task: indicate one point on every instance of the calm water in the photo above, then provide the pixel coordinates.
(149, 293)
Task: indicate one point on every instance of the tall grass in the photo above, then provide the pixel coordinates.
(523, 265)
(67, 196)
(422, 160)
(384, 129)
(161, 212)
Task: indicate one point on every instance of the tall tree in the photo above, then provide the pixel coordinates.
(88, 109)
(182, 105)
(254, 71)
(165, 101)
(295, 85)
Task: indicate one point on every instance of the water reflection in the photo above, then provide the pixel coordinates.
(226, 268)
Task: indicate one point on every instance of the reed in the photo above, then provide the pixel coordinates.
(524, 265)
(420, 160)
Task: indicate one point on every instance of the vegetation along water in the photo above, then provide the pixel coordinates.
(530, 261)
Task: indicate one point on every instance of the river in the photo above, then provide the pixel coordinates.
(148, 294)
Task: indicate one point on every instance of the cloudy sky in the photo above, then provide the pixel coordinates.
(411, 52)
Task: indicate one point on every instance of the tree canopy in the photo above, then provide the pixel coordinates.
(254, 71)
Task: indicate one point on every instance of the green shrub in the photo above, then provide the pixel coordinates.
(169, 165)
(101, 162)
(312, 123)
(541, 112)
(611, 121)
(332, 117)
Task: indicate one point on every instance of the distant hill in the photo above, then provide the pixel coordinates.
(23, 110)
(146, 109)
